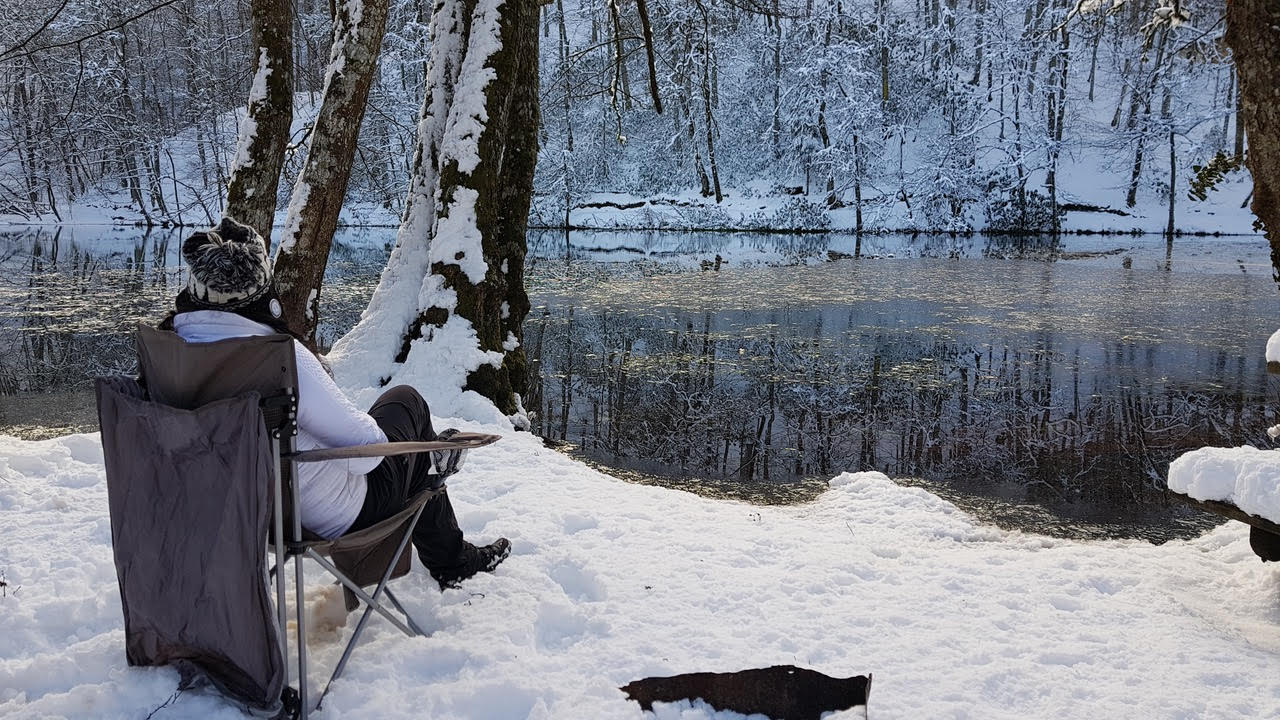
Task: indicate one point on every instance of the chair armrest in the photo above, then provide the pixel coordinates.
(461, 441)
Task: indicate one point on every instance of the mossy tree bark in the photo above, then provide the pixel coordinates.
(255, 176)
(317, 197)
(503, 185)
(1253, 32)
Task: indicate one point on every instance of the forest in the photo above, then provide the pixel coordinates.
(932, 115)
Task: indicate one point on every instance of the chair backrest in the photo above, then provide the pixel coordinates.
(190, 503)
(187, 375)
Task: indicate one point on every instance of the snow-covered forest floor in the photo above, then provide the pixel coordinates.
(610, 582)
(754, 208)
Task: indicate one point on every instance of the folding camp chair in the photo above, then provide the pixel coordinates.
(200, 464)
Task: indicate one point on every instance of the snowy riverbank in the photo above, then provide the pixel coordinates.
(610, 582)
(756, 207)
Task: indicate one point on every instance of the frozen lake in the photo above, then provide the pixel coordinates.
(1041, 385)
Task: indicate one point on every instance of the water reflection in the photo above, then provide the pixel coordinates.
(1040, 394)
(1067, 387)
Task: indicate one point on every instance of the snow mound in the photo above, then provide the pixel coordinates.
(1273, 347)
(1246, 477)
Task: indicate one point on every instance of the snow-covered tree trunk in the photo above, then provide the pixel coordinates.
(1253, 32)
(319, 192)
(486, 180)
(371, 351)
(473, 182)
(255, 172)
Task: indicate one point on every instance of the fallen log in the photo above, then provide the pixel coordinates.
(779, 692)
(1228, 510)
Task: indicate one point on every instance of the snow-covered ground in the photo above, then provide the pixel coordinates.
(758, 206)
(610, 582)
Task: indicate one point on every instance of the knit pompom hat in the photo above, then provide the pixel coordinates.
(227, 265)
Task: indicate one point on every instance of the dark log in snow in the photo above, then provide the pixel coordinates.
(1228, 510)
(781, 691)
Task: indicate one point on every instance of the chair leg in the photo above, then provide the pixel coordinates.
(346, 653)
(371, 603)
(277, 572)
(368, 599)
(407, 617)
(301, 612)
(299, 600)
(355, 637)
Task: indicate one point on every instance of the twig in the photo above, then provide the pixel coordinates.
(39, 30)
(12, 52)
(172, 698)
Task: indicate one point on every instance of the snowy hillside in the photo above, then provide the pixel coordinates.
(790, 116)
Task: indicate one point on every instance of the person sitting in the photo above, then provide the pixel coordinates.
(230, 293)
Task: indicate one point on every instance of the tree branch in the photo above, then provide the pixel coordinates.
(13, 53)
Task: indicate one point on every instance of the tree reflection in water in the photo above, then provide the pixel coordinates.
(1041, 394)
(1033, 402)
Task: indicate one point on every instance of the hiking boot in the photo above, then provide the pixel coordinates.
(475, 559)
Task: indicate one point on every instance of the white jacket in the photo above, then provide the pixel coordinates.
(332, 492)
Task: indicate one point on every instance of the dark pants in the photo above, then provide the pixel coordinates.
(403, 416)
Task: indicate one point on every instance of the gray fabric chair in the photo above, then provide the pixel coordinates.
(200, 462)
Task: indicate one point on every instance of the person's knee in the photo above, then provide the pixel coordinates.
(409, 397)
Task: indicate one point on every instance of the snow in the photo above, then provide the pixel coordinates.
(1273, 347)
(755, 206)
(249, 125)
(1246, 477)
(293, 222)
(610, 582)
(456, 240)
(467, 115)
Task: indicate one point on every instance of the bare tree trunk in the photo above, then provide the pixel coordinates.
(322, 186)
(775, 126)
(129, 148)
(503, 185)
(1173, 185)
(1093, 55)
(564, 76)
(1131, 198)
(645, 27)
(857, 183)
(1255, 43)
(707, 101)
(1056, 116)
(1229, 102)
(621, 79)
(255, 173)
(1240, 122)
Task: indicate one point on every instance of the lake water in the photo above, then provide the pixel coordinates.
(1040, 385)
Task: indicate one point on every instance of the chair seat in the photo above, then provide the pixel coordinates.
(363, 555)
